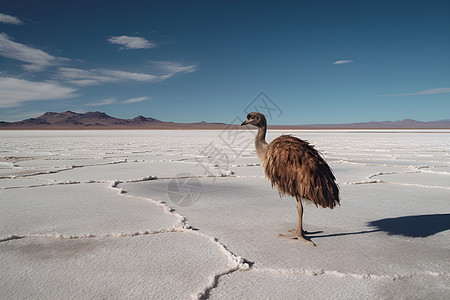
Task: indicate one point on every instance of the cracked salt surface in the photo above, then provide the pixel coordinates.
(87, 215)
(249, 221)
(164, 266)
(269, 284)
(76, 209)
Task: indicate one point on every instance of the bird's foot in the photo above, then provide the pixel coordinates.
(293, 234)
(295, 231)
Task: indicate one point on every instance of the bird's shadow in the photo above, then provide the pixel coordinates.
(413, 226)
(409, 226)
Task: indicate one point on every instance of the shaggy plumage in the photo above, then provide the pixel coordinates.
(296, 169)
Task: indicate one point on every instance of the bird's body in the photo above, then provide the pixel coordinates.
(296, 169)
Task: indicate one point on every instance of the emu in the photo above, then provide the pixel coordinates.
(296, 169)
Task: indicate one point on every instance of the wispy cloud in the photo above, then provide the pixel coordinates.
(425, 92)
(135, 100)
(10, 19)
(102, 102)
(171, 67)
(341, 62)
(14, 92)
(108, 101)
(123, 75)
(101, 76)
(83, 77)
(37, 60)
(131, 42)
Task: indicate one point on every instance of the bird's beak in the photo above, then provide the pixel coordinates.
(244, 123)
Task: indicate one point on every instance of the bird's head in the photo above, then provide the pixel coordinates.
(255, 118)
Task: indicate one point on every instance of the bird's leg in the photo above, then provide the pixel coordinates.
(298, 233)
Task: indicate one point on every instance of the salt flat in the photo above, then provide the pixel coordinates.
(179, 214)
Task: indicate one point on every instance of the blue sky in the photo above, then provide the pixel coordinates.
(188, 61)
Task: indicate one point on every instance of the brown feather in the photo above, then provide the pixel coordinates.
(298, 170)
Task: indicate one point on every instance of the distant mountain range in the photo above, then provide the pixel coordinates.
(99, 120)
(403, 124)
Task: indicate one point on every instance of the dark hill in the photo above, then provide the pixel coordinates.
(100, 120)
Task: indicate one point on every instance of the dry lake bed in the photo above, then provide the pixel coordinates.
(176, 214)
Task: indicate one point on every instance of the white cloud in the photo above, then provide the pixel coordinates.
(122, 75)
(137, 99)
(169, 69)
(113, 100)
(131, 42)
(84, 77)
(14, 92)
(425, 92)
(10, 19)
(341, 62)
(102, 102)
(172, 68)
(101, 76)
(85, 82)
(37, 59)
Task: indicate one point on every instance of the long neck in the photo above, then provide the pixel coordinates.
(260, 143)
